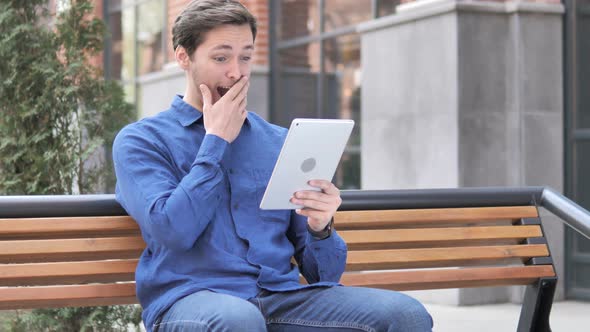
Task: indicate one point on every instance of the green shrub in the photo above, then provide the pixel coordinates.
(58, 120)
(87, 319)
(58, 113)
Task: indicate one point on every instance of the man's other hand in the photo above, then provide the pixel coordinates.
(226, 117)
(319, 206)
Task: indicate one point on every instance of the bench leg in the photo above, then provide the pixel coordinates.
(536, 307)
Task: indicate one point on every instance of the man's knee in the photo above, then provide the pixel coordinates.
(406, 314)
(212, 312)
(243, 318)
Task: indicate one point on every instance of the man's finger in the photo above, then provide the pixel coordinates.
(236, 88)
(243, 94)
(312, 204)
(326, 186)
(242, 105)
(315, 195)
(206, 96)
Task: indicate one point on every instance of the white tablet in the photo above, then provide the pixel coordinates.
(312, 151)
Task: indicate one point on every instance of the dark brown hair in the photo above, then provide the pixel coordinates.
(201, 16)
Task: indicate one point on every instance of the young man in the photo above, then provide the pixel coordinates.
(193, 177)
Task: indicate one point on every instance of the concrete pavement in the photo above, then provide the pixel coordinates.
(566, 316)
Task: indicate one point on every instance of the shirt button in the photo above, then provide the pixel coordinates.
(236, 206)
(231, 171)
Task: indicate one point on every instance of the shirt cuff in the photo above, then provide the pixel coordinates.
(323, 234)
(319, 248)
(332, 241)
(213, 147)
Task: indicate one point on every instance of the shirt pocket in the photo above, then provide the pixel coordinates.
(261, 181)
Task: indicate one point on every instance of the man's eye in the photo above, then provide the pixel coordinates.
(246, 58)
(220, 59)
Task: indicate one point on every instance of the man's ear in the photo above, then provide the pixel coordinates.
(182, 57)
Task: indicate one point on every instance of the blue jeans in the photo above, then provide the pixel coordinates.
(313, 309)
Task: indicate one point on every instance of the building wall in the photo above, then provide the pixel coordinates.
(409, 102)
(465, 94)
(521, 142)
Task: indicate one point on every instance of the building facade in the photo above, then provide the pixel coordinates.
(445, 93)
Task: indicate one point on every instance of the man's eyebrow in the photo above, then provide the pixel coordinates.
(229, 48)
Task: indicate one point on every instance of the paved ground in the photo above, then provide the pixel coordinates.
(566, 316)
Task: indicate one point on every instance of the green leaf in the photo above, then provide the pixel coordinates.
(57, 111)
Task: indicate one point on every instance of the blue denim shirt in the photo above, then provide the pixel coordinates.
(196, 197)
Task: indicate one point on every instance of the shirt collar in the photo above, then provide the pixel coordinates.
(186, 114)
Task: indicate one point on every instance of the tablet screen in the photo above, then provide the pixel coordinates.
(312, 151)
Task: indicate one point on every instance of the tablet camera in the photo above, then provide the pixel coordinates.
(308, 165)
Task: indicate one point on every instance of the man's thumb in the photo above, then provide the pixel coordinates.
(206, 95)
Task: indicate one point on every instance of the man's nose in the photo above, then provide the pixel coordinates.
(234, 71)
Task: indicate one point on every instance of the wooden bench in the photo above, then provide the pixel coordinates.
(82, 250)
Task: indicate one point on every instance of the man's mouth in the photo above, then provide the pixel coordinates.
(222, 90)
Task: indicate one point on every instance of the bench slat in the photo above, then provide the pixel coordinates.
(387, 218)
(67, 296)
(375, 239)
(420, 238)
(60, 227)
(23, 251)
(449, 278)
(439, 257)
(67, 272)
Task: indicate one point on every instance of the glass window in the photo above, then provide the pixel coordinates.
(298, 77)
(387, 7)
(298, 18)
(583, 70)
(582, 164)
(122, 30)
(114, 3)
(341, 13)
(582, 244)
(581, 158)
(348, 174)
(301, 58)
(581, 273)
(118, 4)
(339, 74)
(342, 80)
(137, 29)
(116, 43)
(342, 93)
(582, 187)
(150, 26)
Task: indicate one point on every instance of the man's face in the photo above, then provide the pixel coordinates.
(222, 59)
